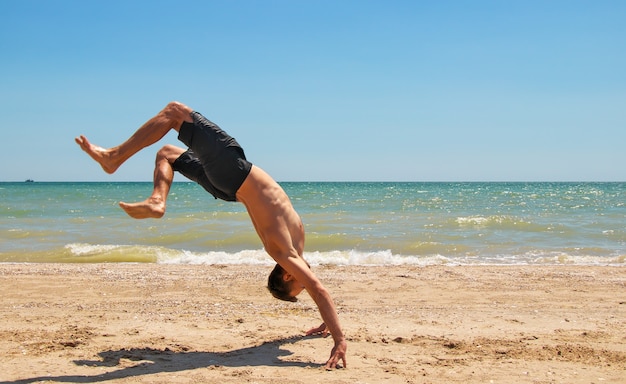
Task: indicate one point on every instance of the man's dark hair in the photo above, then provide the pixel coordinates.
(278, 287)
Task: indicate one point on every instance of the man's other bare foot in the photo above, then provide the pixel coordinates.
(100, 155)
(148, 209)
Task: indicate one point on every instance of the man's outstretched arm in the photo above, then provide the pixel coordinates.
(298, 268)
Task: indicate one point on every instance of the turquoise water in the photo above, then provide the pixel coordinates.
(346, 223)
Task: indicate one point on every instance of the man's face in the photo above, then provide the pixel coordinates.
(296, 288)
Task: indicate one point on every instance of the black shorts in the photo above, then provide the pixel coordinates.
(214, 160)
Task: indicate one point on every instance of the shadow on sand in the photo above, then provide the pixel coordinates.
(154, 361)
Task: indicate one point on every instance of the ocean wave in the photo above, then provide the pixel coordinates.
(94, 253)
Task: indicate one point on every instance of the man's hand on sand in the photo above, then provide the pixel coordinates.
(337, 354)
(321, 330)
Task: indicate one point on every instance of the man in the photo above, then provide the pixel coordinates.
(217, 162)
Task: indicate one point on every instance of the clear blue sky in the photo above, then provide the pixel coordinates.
(322, 90)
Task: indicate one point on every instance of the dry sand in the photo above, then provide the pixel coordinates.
(148, 323)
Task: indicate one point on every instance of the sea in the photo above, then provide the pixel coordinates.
(346, 223)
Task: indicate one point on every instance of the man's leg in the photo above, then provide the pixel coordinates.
(154, 206)
(171, 117)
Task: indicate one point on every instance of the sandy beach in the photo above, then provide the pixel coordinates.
(149, 323)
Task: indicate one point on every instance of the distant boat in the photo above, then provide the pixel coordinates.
(30, 180)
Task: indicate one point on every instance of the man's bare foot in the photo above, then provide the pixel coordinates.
(148, 209)
(99, 154)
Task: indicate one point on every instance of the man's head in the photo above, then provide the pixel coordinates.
(282, 285)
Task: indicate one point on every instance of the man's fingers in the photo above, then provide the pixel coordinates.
(319, 330)
(333, 362)
(338, 353)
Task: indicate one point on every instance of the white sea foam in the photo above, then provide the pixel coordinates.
(79, 249)
(382, 258)
(251, 257)
(80, 252)
(353, 257)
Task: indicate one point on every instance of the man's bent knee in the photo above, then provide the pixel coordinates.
(169, 153)
(176, 111)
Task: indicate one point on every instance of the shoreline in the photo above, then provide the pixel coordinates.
(174, 323)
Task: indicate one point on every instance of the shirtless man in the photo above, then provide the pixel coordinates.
(217, 162)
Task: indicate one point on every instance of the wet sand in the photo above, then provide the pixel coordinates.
(149, 323)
